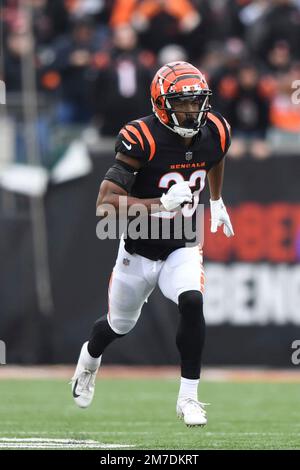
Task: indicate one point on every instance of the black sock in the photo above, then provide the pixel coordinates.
(101, 336)
(191, 333)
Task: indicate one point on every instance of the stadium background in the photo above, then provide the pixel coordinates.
(75, 72)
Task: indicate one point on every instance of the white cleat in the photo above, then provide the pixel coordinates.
(83, 382)
(83, 387)
(191, 411)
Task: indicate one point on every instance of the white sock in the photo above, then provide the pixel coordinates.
(188, 388)
(88, 362)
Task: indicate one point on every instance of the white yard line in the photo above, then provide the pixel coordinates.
(46, 443)
(70, 433)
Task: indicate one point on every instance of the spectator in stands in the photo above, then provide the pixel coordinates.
(225, 20)
(73, 57)
(142, 12)
(19, 46)
(248, 114)
(223, 78)
(213, 61)
(73, 51)
(94, 9)
(249, 110)
(120, 80)
(249, 15)
(171, 53)
(49, 18)
(285, 113)
(279, 57)
(281, 21)
(161, 22)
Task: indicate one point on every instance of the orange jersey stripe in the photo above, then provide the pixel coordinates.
(220, 127)
(109, 289)
(149, 137)
(202, 283)
(137, 134)
(127, 136)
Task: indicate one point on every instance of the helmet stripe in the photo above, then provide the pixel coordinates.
(179, 71)
(185, 76)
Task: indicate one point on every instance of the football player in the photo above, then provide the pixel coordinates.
(163, 160)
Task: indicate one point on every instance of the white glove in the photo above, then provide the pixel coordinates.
(220, 216)
(177, 194)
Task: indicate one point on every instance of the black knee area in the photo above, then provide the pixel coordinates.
(190, 304)
(101, 336)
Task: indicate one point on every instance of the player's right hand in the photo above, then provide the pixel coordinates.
(177, 194)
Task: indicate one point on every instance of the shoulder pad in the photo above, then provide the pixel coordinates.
(136, 140)
(221, 128)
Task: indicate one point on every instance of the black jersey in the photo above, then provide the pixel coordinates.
(167, 160)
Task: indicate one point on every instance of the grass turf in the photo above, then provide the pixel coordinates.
(142, 413)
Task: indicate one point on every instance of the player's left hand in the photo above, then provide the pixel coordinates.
(219, 216)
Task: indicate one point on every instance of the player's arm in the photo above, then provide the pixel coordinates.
(219, 215)
(215, 180)
(118, 182)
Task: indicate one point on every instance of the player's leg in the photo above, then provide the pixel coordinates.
(182, 280)
(128, 290)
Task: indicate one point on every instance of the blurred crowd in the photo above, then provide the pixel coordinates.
(94, 61)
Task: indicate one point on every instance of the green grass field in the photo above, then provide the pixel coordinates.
(141, 413)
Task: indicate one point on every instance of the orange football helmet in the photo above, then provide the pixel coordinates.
(180, 81)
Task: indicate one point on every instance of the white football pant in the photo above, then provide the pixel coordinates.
(134, 277)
